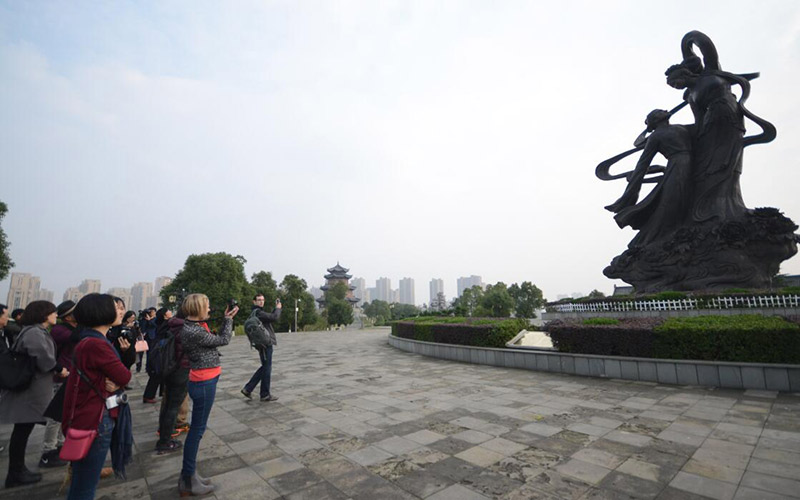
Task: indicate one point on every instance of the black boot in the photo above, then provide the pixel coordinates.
(23, 477)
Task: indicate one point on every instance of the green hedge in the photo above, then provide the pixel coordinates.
(746, 338)
(481, 332)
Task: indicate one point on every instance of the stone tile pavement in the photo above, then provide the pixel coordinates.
(358, 419)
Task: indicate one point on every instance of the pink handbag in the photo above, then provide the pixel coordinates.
(77, 443)
(141, 345)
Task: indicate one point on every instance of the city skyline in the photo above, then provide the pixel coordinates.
(461, 131)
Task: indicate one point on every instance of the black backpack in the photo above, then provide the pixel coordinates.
(16, 368)
(162, 359)
(256, 332)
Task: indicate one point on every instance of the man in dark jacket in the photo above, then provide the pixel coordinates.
(264, 373)
(12, 329)
(66, 336)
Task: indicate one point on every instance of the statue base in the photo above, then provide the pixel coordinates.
(745, 252)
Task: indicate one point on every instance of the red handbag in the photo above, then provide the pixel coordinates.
(77, 442)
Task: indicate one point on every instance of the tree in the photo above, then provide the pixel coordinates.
(263, 283)
(308, 310)
(5, 258)
(292, 288)
(467, 304)
(378, 310)
(401, 311)
(596, 294)
(496, 302)
(338, 310)
(220, 276)
(528, 298)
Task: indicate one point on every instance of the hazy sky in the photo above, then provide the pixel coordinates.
(421, 139)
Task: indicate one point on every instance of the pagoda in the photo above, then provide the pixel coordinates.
(338, 274)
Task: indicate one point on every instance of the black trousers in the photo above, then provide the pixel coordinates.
(174, 394)
(17, 445)
(153, 383)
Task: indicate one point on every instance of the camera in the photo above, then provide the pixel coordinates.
(127, 334)
(232, 303)
(116, 399)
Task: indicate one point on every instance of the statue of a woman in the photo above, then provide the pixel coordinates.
(719, 131)
(663, 210)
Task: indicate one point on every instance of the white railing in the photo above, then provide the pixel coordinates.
(688, 304)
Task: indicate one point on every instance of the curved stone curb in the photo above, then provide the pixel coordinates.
(721, 374)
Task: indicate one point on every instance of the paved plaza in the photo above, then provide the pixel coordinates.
(359, 419)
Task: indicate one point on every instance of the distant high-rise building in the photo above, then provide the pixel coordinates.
(406, 291)
(384, 290)
(23, 289)
(73, 293)
(361, 289)
(124, 294)
(140, 295)
(161, 282)
(436, 287)
(395, 296)
(89, 286)
(370, 294)
(468, 282)
(45, 294)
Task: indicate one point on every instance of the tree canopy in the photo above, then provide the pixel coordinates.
(528, 298)
(5, 258)
(220, 276)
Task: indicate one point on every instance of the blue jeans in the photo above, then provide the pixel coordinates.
(86, 472)
(202, 394)
(263, 374)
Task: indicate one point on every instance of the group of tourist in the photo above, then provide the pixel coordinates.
(84, 354)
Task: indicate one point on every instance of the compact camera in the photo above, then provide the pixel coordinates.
(116, 399)
(232, 303)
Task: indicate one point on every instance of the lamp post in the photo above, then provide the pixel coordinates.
(295, 314)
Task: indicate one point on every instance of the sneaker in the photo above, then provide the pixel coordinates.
(50, 459)
(269, 398)
(247, 394)
(148, 400)
(168, 447)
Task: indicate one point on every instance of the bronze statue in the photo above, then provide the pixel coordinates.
(695, 231)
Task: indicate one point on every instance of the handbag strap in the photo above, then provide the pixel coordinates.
(82, 376)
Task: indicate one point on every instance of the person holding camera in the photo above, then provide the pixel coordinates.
(200, 347)
(123, 338)
(263, 374)
(93, 398)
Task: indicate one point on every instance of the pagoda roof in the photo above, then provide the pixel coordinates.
(325, 288)
(335, 276)
(338, 269)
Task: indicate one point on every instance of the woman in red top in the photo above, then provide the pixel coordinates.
(84, 408)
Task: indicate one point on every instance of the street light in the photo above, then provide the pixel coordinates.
(295, 314)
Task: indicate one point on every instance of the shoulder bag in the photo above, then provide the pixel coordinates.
(16, 368)
(77, 442)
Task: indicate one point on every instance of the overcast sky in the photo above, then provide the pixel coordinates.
(420, 139)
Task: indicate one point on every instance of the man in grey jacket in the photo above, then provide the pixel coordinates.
(264, 373)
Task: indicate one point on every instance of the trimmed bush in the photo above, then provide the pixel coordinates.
(745, 337)
(601, 321)
(740, 338)
(627, 337)
(480, 332)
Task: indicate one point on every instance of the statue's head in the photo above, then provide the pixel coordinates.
(679, 76)
(656, 118)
